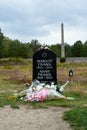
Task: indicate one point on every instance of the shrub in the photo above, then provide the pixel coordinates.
(62, 59)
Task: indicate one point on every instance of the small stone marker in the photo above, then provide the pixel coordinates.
(44, 66)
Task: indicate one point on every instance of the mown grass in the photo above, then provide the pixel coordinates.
(15, 72)
(8, 99)
(77, 118)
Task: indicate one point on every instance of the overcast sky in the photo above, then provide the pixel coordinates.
(41, 19)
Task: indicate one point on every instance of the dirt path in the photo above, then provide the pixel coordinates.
(33, 119)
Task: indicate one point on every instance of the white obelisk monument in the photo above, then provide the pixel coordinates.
(62, 42)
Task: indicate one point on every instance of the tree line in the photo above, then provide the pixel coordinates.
(15, 48)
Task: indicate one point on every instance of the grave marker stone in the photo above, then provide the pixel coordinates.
(44, 66)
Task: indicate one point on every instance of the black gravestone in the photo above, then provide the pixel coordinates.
(44, 66)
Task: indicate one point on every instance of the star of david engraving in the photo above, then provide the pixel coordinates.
(44, 54)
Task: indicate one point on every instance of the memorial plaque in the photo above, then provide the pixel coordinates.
(44, 66)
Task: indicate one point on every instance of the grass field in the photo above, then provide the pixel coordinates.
(14, 73)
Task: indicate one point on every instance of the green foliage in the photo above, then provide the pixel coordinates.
(77, 118)
(1, 36)
(57, 49)
(62, 59)
(8, 99)
(68, 50)
(35, 45)
(77, 49)
(85, 49)
(1, 45)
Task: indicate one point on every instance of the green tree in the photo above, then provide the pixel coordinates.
(23, 52)
(14, 48)
(77, 49)
(18, 49)
(29, 51)
(56, 49)
(68, 50)
(35, 45)
(6, 41)
(85, 49)
(1, 44)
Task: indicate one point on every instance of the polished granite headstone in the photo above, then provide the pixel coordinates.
(44, 66)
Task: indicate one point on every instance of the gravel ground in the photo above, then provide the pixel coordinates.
(33, 119)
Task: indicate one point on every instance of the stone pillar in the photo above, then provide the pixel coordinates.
(62, 42)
